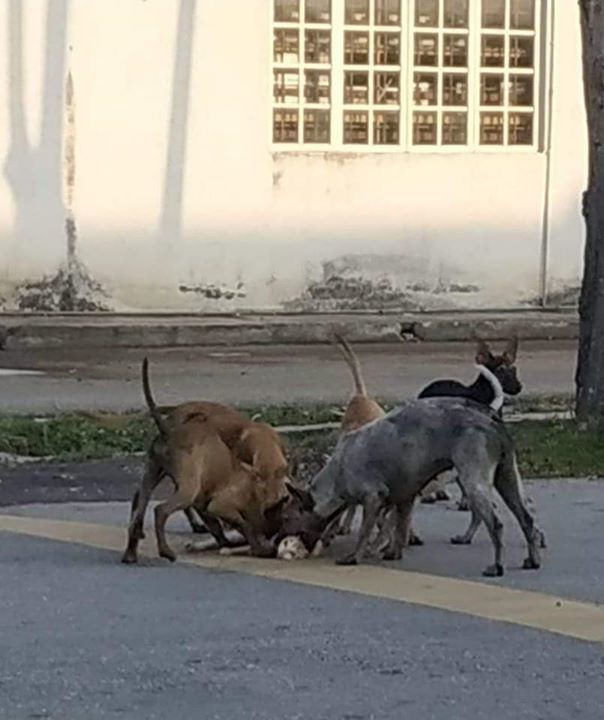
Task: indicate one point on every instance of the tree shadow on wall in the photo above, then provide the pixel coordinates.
(43, 226)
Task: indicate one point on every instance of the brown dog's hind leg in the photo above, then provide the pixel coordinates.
(151, 479)
(182, 498)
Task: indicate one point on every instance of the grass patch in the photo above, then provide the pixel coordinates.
(557, 448)
(74, 437)
(545, 448)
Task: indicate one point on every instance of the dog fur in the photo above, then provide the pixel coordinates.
(252, 442)
(389, 461)
(360, 411)
(497, 377)
(207, 475)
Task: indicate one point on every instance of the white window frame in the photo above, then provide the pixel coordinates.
(407, 107)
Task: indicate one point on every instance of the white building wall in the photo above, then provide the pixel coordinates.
(175, 188)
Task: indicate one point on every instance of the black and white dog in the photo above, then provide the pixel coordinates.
(497, 377)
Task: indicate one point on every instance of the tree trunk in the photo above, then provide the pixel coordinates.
(590, 365)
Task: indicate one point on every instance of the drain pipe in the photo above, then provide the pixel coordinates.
(548, 162)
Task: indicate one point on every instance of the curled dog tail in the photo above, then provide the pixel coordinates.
(153, 409)
(353, 364)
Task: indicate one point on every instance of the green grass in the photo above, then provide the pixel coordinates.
(545, 448)
(74, 437)
(557, 448)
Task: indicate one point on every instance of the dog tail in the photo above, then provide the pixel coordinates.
(353, 363)
(498, 397)
(153, 409)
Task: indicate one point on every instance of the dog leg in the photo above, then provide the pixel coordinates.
(436, 491)
(196, 526)
(509, 485)
(402, 532)
(414, 539)
(385, 525)
(151, 479)
(217, 531)
(331, 531)
(182, 499)
(463, 505)
(371, 508)
(468, 536)
(345, 527)
(474, 466)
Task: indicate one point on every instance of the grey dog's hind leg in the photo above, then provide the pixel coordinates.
(509, 485)
(475, 465)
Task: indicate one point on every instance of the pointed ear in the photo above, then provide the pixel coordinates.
(483, 352)
(511, 350)
(302, 496)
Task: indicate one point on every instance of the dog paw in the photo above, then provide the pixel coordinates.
(347, 560)
(531, 564)
(442, 496)
(428, 500)
(460, 540)
(391, 556)
(495, 570)
(415, 540)
(463, 505)
(168, 554)
(129, 558)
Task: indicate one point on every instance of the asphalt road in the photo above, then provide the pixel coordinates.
(85, 638)
(82, 636)
(110, 379)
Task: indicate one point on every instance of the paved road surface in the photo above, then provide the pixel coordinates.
(111, 379)
(82, 636)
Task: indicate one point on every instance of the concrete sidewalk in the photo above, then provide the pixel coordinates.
(19, 331)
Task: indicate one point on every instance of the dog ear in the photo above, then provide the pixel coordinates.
(302, 496)
(511, 350)
(483, 352)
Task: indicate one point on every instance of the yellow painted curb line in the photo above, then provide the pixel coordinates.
(584, 621)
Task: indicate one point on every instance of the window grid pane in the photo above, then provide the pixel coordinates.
(379, 50)
(507, 78)
(296, 46)
(459, 91)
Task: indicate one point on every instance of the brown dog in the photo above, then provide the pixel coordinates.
(360, 411)
(252, 442)
(208, 476)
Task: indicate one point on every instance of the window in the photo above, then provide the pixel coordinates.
(302, 75)
(397, 75)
